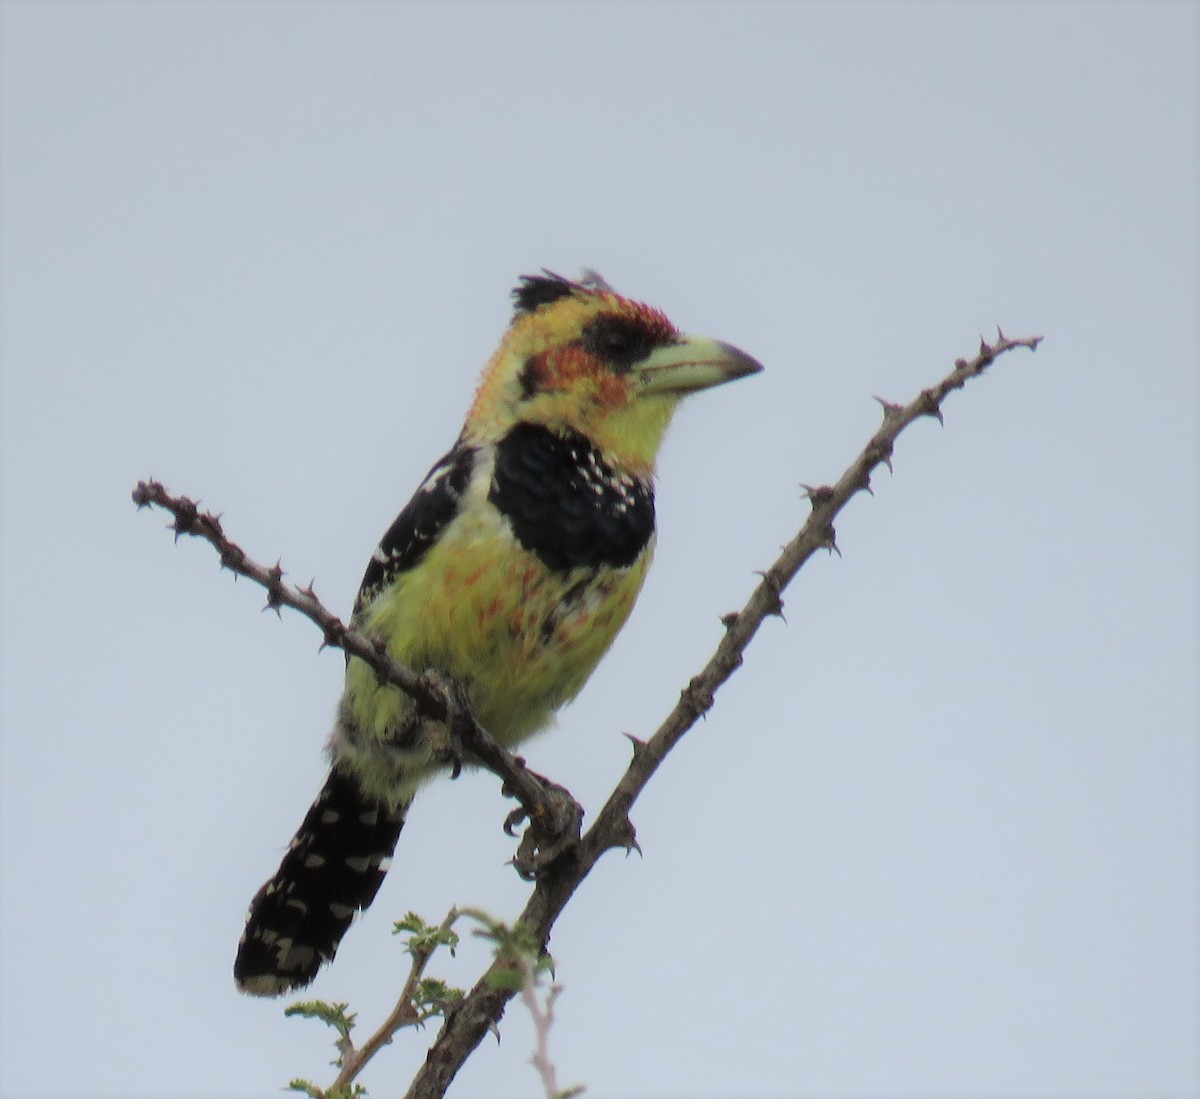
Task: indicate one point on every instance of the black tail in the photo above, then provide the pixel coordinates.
(332, 870)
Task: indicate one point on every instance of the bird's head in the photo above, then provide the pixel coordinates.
(580, 357)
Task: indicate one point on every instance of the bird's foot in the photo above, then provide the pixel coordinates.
(451, 739)
(555, 820)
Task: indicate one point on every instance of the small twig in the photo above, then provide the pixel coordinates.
(543, 1023)
(405, 1013)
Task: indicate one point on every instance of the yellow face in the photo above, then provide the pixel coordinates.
(602, 365)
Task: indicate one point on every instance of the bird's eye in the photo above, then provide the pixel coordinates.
(619, 341)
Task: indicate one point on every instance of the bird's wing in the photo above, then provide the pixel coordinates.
(418, 527)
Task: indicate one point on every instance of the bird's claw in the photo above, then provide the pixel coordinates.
(449, 738)
(554, 826)
(513, 821)
(450, 754)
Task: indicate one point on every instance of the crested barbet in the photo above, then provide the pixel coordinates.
(509, 572)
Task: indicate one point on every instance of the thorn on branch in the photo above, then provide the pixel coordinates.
(698, 696)
(817, 494)
(185, 518)
(829, 540)
(232, 558)
(774, 593)
(623, 837)
(274, 595)
(891, 412)
(638, 745)
(333, 634)
(927, 405)
(878, 452)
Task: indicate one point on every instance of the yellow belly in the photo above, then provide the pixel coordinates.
(522, 638)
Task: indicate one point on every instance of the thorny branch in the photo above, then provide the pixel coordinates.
(555, 817)
(482, 1008)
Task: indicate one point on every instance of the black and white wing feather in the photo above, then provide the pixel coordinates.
(417, 528)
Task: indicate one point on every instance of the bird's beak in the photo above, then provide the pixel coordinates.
(692, 363)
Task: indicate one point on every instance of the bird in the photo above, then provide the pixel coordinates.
(510, 572)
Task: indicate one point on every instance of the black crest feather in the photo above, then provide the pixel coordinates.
(534, 291)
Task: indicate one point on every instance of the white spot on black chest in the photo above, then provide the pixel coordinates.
(566, 504)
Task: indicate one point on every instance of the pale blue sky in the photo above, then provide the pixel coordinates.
(939, 835)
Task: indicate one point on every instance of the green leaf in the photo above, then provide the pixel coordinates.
(433, 995)
(424, 938)
(411, 924)
(334, 1015)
